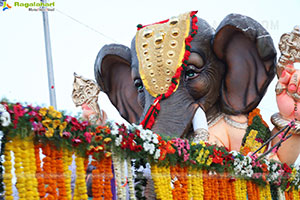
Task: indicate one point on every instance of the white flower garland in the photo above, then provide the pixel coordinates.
(4, 116)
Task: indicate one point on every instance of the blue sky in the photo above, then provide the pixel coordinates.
(23, 71)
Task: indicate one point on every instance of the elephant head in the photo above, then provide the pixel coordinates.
(228, 71)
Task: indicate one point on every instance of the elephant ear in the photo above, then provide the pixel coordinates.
(249, 55)
(113, 74)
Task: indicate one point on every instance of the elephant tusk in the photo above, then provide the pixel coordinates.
(199, 120)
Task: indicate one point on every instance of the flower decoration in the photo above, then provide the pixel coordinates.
(49, 126)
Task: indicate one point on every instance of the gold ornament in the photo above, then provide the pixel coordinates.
(279, 88)
(279, 122)
(289, 47)
(160, 50)
(85, 91)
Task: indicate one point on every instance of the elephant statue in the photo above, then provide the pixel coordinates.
(226, 75)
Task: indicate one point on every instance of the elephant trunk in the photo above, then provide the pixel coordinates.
(176, 114)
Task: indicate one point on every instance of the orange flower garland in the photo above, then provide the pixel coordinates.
(97, 180)
(48, 173)
(252, 191)
(60, 175)
(208, 186)
(107, 179)
(39, 174)
(289, 195)
(224, 187)
(179, 174)
(232, 190)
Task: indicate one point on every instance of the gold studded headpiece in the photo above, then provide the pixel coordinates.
(160, 49)
(163, 50)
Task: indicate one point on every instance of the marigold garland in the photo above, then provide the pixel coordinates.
(97, 180)
(162, 179)
(295, 194)
(48, 173)
(224, 187)
(197, 190)
(7, 177)
(101, 179)
(61, 177)
(80, 192)
(252, 191)
(18, 153)
(25, 168)
(190, 184)
(201, 156)
(208, 185)
(107, 179)
(67, 161)
(265, 192)
(32, 183)
(39, 174)
(240, 186)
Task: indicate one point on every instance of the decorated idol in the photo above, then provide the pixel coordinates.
(189, 95)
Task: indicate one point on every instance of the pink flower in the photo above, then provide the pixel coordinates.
(76, 141)
(37, 126)
(88, 137)
(68, 119)
(186, 157)
(84, 123)
(187, 145)
(66, 134)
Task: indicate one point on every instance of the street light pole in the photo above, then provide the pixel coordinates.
(52, 94)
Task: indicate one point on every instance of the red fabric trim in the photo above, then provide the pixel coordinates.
(161, 22)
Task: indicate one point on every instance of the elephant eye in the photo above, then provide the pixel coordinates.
(191, 72)
(138, 84)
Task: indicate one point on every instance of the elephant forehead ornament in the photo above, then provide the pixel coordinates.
(160, 49)
(163, 50)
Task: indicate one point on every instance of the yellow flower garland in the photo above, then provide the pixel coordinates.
(162, 179)
(295, 194)
(190, 184)
(265, 192)
(32, 183)
(67, 161)
(80, 192)
(196, 191)
(7, 177)
(25, 168)
(240, 187)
